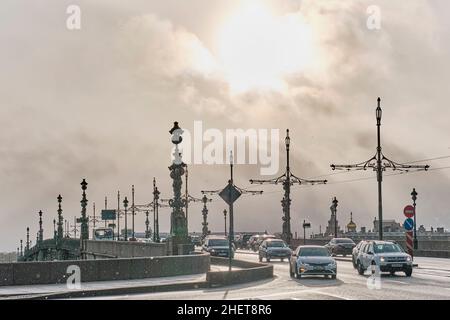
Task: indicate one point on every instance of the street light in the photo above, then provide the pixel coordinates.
(287, 180)
(379, 163)
(225, 218)
(125, 205)
(414, 198)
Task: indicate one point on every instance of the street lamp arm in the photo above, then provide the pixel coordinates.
(211, 192)
(280, 179)
(297, 180)
(389, 164)
(371, 163)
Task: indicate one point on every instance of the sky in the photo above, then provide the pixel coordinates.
(97, 103)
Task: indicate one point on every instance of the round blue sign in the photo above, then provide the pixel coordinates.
(408, 224)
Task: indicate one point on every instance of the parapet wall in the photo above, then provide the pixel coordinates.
(123, 249)
(51, 272)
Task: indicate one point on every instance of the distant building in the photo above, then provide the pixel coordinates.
(351, 226)
(388, 226)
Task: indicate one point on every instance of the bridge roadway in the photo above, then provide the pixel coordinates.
(430, 280)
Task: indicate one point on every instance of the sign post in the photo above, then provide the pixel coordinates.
(305, 225)
(408, 211)
(230, 194)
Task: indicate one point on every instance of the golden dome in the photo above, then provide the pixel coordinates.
(351, 224)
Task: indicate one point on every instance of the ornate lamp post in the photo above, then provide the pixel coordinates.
(156, 194)
(414, 198)
(132, 213)
(179, 236)
(27, 247)
(60, 230)
(379, 163)
(147, 223)
(84, 219)
(21, 247)
(205, 217)
(118, 216)
(287, 180)
(41, 231)
(125, 205)
(54, 228)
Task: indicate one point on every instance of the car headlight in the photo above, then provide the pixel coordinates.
(382, 259)
(408, 259)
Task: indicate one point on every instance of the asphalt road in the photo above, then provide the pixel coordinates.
(430, 280)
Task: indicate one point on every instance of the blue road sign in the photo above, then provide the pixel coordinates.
(408, 224)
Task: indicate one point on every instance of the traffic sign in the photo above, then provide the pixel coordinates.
(408, 224)
(230, 194)
(108, 214)
(408, 211)
(307, 225)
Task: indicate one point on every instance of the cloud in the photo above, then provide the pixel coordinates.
(98, 105)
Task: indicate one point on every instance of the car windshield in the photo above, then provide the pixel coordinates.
(313, 252)
(217, 243)
(386, 248)
(276, 244)
(344, 241)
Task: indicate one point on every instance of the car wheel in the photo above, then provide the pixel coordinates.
(360, 268)
(282, 259)
(268, 259)
(333, 276)
(260, 258)
(408, 272)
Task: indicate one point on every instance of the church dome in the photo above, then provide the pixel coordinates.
(351, 226)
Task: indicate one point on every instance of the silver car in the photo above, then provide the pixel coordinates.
(312, 260)
(387, 256)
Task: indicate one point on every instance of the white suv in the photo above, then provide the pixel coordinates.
(388, 256)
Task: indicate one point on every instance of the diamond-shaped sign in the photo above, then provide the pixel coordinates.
(230, 194)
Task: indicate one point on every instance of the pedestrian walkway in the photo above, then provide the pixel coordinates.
(43, 289)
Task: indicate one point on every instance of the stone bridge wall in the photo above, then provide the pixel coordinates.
(52, 272)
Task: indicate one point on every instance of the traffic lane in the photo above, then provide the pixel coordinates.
(348, 285)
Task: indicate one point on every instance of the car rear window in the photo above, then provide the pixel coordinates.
(313, 252)
(277, 244)
(217, 242)
(344, 241)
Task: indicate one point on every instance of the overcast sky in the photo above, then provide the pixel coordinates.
(97, 103)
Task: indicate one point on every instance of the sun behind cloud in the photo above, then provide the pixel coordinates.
(257, 49)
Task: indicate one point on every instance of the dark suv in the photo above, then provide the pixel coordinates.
(343, 246)
(274, 249)
(217, 246)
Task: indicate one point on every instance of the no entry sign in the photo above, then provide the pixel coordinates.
(408, 211)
